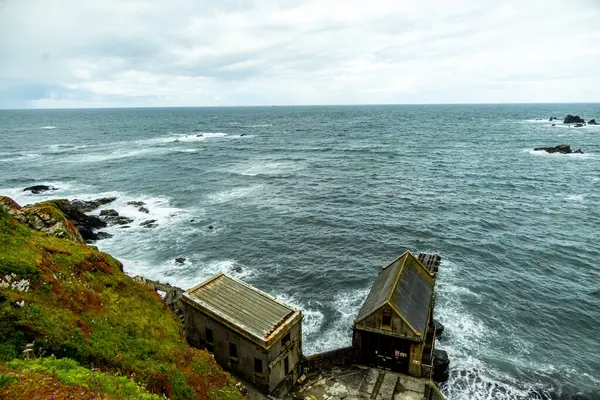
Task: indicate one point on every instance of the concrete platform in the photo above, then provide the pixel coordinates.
(360, 382)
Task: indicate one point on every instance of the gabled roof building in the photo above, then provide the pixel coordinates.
(394, 328)
(252, 334)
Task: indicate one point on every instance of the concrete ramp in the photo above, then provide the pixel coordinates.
(387, 386)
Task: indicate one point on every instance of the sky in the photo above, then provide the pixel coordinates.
(130, 53)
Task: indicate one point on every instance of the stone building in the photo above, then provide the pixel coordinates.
(394, 328)
(255, 336)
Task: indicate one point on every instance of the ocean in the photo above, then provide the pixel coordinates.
(307, 203)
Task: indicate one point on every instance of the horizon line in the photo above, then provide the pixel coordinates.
(291, 105)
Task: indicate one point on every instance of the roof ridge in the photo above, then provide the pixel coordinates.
(397, 278)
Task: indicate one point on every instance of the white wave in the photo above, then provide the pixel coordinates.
(190, 138)
(63, 190)
(20, 156)
(575, 197)
(256, 126)
(345, 306)
(233, 194)
(543, 153)
(540, 121)
(267, 168)
(114, 155)
(48, 127)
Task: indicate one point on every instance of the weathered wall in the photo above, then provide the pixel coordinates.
(343, 357)
(293, 351)
(374, 321)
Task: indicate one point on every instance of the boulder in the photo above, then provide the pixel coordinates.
(9, 204)
(180, 260)
(36, 189)
(441, 364)
(151, 223)
(112, 217)
(237, 269)
(45, 217)
(553, 124)
(103, 235)
(593, 122)
(561, 148)
(144, 210)
(86, 224)
(211, 227)
(90, 205)
(552, 118)
(439, 328)
(573, 119)
(136, 203)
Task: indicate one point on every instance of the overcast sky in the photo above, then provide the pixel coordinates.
(123, 53)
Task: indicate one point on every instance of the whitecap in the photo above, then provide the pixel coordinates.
(233, 194)
(48, 127)
(575, 197)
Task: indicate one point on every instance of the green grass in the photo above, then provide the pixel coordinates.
(68, 373)
(80, 305)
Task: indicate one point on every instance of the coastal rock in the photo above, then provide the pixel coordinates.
(90, 205)
(85, 224)
(9, 204)
(441, 364)
(136, 203)
(439, 328)
(578, 125)
(103, 235)
(144, 210)
(45, 217)
(553, 118)
(211, 227)
(573, 119)
(151, 223)
(593, 122)
(180, 260)
(112, 217)
(553, 125)
(561, 148)
(37, 189)
(237, 269)
(244, 134)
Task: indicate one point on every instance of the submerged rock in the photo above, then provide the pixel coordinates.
(561, 148)
(151, 223)
(37, 189)
(573, 119)
(578, 125)
(136, 203)
(553, 118)
(112, 217)
(180, 260)
(144, 210)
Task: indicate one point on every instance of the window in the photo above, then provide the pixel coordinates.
(233, 351)
(286, 365)
(386, 318)
(286, 339)
(209, 336)
(258, 366)
(387, 321)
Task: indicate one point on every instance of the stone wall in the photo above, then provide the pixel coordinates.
(343, 357)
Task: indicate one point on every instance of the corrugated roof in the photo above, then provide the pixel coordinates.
(407, 286)
(247, 308)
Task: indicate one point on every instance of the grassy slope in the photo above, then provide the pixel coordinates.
(81, 306)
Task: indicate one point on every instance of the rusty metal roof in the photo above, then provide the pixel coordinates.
(242, 306)
(407, 286)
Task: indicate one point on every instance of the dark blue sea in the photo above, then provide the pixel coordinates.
(307, 203)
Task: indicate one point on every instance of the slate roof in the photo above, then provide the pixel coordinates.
(406, 286)
(245, 308)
